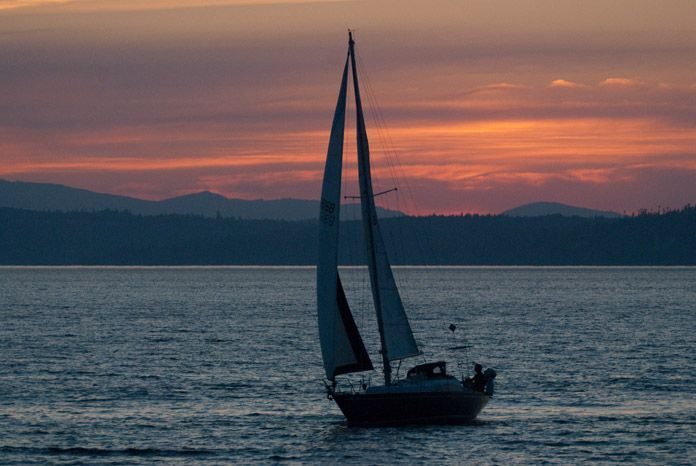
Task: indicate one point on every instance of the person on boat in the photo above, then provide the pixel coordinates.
(479, 380)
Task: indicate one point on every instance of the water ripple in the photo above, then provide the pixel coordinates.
(176, 365)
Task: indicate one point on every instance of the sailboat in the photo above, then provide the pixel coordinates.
(427, 394)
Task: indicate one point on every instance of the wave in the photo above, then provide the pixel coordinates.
(86, 451)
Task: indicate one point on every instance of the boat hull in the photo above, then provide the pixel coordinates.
(365, 409)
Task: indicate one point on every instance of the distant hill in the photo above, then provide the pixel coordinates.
(540, 209)
(29, 237)
(56, 197)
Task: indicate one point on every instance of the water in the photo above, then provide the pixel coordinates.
(220, 365)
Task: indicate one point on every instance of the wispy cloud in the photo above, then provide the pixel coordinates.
(494, 88)
(566, 84)
(166, 97)
(15, 4)
(620, 82)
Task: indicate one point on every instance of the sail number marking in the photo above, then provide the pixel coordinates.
(328, 212)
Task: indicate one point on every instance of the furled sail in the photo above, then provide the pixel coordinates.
(397, 338)
(342, 347)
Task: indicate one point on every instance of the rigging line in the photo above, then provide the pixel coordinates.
(397, 237)
(399, 241)
(379, 123)
(372, 105)
(372, 101)
(393, 158)
(394, 163)
(381, 133)
(423, 242)
(373, 195)
(391, 153)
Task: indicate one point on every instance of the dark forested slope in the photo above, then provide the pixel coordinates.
(121, 238)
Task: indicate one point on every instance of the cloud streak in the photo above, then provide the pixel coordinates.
(232, 97)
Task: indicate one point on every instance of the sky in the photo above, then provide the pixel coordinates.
(481, 106)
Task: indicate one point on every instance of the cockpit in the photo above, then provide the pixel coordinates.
(431, 370)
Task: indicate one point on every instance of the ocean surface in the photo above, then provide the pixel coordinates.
(222, 365)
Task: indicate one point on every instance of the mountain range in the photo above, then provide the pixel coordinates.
(540, 209)
(56, 197)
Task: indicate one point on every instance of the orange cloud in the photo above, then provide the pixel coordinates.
(450, 157)
(239, 100)
(14, 4)
(620, 82)
(566, 84)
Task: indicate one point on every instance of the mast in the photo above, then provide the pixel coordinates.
(368, 210)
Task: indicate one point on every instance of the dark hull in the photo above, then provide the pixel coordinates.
(363, 409)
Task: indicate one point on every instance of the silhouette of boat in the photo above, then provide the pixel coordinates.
(427, 394)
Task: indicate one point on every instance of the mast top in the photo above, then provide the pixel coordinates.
(350, 37)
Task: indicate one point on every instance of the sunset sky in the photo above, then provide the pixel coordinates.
(487, 104)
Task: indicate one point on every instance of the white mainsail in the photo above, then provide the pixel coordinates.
(395, 331)
(342, 348)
